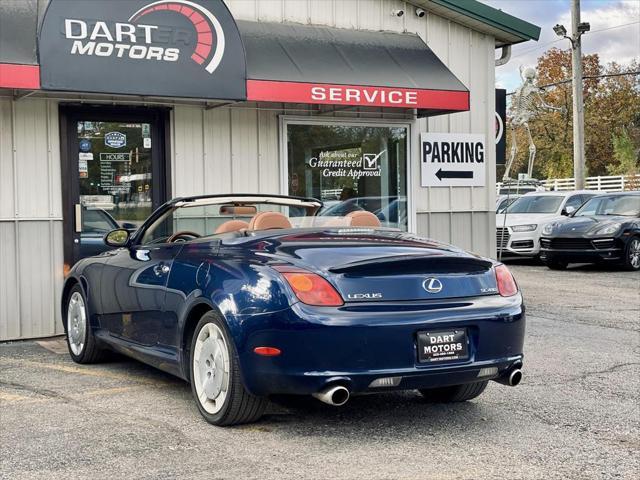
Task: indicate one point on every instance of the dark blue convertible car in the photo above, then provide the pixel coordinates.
(247, 296)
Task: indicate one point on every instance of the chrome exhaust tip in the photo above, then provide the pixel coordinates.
(336, 395)
(512, 378)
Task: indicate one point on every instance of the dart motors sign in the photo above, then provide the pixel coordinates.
(452, 160)
(172, 48)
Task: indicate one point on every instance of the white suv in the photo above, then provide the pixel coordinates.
(518, 230)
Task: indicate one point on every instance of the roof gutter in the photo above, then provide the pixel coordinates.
(493, 17)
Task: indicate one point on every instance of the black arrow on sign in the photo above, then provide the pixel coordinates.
(453, 174)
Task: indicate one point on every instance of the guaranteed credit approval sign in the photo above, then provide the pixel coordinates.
(452, 160)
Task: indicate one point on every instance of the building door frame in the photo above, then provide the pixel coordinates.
(70, 114)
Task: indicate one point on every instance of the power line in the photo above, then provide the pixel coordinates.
(538, 47)
(569, 80)
(605, 75)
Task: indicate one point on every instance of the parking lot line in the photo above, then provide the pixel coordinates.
(12, 397)
(94, 371)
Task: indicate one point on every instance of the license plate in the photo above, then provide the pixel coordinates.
(441, 345)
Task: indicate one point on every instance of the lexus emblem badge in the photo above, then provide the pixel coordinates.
(432, 285)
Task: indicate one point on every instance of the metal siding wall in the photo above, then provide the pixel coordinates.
(460, 215)
(225, 150)
(31, 253)
(248, 140)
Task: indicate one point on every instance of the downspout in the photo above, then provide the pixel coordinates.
(505, 56)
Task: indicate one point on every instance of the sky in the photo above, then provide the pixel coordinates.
(614, 35)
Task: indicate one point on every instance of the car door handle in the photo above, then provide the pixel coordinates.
(161, 269)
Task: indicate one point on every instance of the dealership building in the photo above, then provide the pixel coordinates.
(108, 108)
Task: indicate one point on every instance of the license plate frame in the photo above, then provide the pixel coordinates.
(435, 346)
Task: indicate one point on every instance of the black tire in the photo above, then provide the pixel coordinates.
(556, 264)
(632, 245)
(90, 352)
(239, 405)
(455, 393)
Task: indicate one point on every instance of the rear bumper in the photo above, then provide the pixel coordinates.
(356, 345)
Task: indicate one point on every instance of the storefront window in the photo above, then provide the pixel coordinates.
(349, 168)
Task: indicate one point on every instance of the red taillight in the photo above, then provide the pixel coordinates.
(506, 283)
(310, 288)
(267, 351)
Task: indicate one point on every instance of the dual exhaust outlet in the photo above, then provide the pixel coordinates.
(338, 395)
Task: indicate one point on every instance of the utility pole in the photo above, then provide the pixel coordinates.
(578, 104)
(577, 29)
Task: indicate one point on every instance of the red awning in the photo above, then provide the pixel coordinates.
(320, 65)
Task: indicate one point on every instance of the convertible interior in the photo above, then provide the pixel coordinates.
(193, 219)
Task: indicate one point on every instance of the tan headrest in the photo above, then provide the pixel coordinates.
(268, 221)
(238, 210)
(362, 218)
(232, 226)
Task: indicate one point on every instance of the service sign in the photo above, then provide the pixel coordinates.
(452, 160)
(176, 48)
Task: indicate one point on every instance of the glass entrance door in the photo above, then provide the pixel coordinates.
(116, 176)
(115, 179)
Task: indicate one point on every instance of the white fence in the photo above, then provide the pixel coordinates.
(614, 183)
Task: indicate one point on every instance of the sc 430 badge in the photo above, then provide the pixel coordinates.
(115, 140)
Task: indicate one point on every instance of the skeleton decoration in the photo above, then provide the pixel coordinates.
(523, 107)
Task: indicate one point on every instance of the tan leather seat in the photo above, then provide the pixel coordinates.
(268, 221)
(244, 210)
(362, 218)
(232, 226)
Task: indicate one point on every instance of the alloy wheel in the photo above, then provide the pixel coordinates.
(634, 253)
(211, 368)
(76, 323)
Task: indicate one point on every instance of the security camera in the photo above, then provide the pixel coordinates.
(397, 13)
(420, 12)
(584, 27)
(560, 30)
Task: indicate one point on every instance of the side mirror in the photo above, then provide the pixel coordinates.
(117, 238)
(568, 210)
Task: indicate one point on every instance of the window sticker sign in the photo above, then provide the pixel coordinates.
(115, 157)
(83, 169)
(84, 145)
(452, 160)
(115, 140)
(347, 163)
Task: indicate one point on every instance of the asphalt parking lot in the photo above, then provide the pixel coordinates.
(576, 414)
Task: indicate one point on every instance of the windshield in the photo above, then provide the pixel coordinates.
(536, 204)
(624, 205)
(193, 219)
(502, 206)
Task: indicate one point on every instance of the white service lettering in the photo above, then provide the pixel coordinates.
(318, 93)
(364, 95)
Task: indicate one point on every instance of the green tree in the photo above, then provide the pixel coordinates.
(625, 154)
